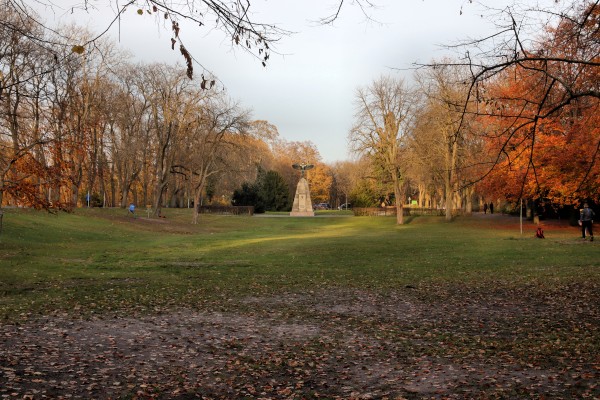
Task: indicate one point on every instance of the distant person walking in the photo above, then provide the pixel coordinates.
(485, 207)
(132, 209)
(587, 220)
(491, 207)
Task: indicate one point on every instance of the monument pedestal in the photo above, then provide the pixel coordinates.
(302, 204)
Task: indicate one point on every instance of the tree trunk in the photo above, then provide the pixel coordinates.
(113, 189)
(197, 195)
(422, 194)
(195, 218)
(469, 192)
(74, 194)
(399, 195)
(160, 189)
(94, 161)
(450, 175)
(449, 204)
(399, 212)
(458, 199)
(1, 198)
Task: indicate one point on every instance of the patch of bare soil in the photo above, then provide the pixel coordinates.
(422, 342)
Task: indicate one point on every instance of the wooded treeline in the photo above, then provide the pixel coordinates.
(85, 121)
(516, 118)
(94, 124)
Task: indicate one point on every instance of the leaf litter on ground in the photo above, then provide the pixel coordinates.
(433, 340)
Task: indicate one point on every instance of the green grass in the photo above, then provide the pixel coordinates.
(101, 260)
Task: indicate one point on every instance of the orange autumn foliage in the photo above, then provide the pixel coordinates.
(23, 183)
(545, 114)
(554, 157)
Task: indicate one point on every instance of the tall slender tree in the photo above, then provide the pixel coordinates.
(444, 129)
(383, 121)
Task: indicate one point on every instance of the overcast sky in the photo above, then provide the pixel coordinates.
(307, 91)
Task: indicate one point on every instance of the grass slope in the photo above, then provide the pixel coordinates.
(54, 261)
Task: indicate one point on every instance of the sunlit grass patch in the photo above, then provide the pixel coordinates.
(46, 259)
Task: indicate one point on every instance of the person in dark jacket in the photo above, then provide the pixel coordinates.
(587, 220)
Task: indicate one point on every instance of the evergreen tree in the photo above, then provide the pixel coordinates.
(274, 192)
(269, 192)
(248, 195)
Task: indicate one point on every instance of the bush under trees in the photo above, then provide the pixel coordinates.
(269, 192)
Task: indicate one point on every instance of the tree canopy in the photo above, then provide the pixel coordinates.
(541, 92)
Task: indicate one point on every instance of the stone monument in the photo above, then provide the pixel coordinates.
(302, 204)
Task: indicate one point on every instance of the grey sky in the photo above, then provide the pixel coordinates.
(307, 90)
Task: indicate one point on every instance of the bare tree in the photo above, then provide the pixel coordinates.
(444, 129)
(23, 111)
(203, 150)
(383, 120)
(426, 159)
(169, 95)
(80, 114)
(244, 156)
(345, 177)
(129, 136)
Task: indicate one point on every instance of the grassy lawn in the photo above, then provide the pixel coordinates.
(446, 298)
(46, 258)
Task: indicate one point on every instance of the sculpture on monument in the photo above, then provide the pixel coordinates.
(302, 204)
